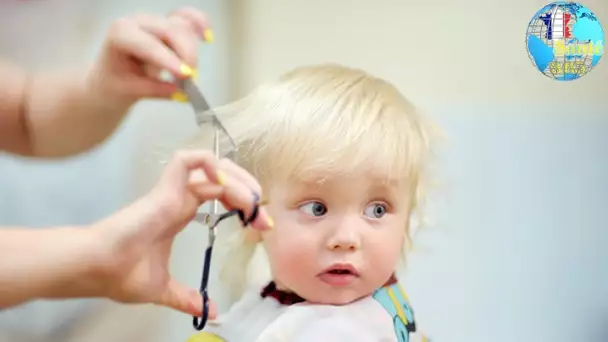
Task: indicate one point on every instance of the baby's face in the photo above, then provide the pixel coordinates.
(338, 240)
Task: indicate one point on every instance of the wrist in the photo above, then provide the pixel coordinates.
(82, 273)
(120, 241)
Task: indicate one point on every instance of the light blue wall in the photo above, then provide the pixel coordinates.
(74, 192)
(518, 251)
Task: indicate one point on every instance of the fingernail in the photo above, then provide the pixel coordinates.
(186, 70)
(221, 177)
(270, 221)
(179, 97)
(195, 74)
(208, 36)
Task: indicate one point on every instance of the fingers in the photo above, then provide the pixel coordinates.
(241, 174)
(237, 195)
(206, 191)
(185, 299)
(176, 32)
(126, 36)
(184, 162)
(224, 181)
(239, 183)
(212, 310)
(165, 43)
(199, 22)
(148, 87)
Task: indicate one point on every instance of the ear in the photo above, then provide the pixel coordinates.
(252, 235)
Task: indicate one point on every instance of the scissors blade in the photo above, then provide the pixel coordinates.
(198, 101)
(203, 111)
(195, 96)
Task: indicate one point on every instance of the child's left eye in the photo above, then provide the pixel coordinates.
(375, 210)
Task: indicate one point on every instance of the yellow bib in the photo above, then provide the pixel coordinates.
(205, 337)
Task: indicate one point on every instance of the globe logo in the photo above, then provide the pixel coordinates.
(565, 40)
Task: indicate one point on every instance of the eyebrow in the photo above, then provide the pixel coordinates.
(391, 188)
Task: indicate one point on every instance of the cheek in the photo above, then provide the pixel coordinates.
(291, 254)
(387, 252)
(386, 256)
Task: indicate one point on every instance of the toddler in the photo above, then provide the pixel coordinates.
(340, 155)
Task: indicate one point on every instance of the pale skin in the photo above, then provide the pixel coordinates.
(69, 112)
(327, 222)
(125, 256)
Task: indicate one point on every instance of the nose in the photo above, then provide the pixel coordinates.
(345, 237)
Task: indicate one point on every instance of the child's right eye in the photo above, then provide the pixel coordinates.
(314, 208)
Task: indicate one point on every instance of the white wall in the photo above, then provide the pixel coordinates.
(50, 34)
(517, 253)
(438, 52)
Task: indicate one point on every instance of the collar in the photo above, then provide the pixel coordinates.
(290, 298)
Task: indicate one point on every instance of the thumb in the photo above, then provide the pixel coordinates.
(185, 299)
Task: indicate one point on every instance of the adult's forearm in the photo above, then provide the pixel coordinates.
(48, 264)
(64, 115)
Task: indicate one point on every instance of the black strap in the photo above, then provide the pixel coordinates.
(199, 324)
(241, 214)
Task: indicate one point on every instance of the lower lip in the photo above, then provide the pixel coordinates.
(337, 279)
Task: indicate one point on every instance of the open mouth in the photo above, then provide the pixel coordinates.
(339, 275)
(341, 271)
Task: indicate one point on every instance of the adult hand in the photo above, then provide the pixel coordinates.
(140, 237)
(138, 47)
(61, 114)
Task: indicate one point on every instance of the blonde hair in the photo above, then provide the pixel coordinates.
(327, 118)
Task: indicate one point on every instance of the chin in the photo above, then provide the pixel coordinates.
(344, 298)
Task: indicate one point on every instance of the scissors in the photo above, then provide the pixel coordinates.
(204, 115)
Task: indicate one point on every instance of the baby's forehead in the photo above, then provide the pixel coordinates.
(363, 181)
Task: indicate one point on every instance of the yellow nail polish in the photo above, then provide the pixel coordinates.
(208, 36)
(195, 74)
(270, 222)
(186, 70)
(221, 177)
(179, 97)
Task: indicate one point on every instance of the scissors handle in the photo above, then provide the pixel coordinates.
(199, 323)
